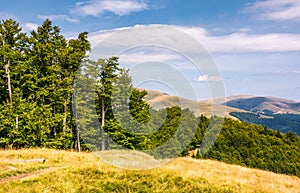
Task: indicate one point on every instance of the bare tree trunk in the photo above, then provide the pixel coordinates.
(77, 129)
(17, 121)
(8, 83)
(65, 122)
(102, 125)
(54, 129)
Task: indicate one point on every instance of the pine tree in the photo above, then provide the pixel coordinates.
(11, 61)
(38, 70)
(57, 61)
(107, 78)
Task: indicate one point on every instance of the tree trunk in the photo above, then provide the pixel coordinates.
(17, 122)
(77, 129)
(102, 124)
(65, 123)
(8, 83)
(54, 129)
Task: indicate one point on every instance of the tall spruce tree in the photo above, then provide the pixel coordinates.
(119, 106)
(36, 76)
(107, 76)
(57, 60)
(12, 42)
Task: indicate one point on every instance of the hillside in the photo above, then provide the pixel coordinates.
(160, 100)
(282, 122)
(260, 104)
(276, 113)
(66, 171)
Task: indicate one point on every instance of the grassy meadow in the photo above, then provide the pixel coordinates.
(66, 171)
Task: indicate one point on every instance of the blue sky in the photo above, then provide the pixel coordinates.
(255, 43)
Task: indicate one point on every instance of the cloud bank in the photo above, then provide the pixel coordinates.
(206, 78)
(117, 7)
(58, 17)
(277, 10)
(240, 42)
(29, 26)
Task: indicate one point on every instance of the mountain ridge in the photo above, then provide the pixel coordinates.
(262, 104)
(276, 113)
(235, 103)
(159, 100)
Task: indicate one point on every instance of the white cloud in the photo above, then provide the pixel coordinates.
(206, 78)
(26, 26)
(245, 57)
(291, 72)
(240, 42)
(4, 16)
(117, 7)
(138, 57)
(243, 42)
(276, 9)
(59, 17)
(29, 26)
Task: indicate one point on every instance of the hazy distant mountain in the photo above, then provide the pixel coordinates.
(160, 100)
(263, 104)
(276, 113)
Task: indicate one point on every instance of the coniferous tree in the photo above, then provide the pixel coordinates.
(107, 76)
(11, 62)
(12, 39)
(38, 70)
(57, 61)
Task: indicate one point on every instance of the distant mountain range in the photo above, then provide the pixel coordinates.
(263, 104)
(276, 113)
(159, 100)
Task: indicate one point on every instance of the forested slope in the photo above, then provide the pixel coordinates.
(253, 146)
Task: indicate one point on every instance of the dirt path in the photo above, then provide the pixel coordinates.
(32, 174)
(192, 152)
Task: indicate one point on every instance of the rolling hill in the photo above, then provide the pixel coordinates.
(276, 113)
(160, 100)
(263, 104)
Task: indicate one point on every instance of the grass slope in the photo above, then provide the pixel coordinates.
(83, 172)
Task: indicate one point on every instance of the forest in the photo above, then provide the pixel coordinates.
(253, 146)
(44, 103)
(281, 122)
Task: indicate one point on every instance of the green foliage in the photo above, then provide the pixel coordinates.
(123, 117)
(281, 122)
(253, 146)
(138, 108)
(41, 70)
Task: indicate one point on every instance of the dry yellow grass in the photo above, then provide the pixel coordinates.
(84, 172)
(236, 176)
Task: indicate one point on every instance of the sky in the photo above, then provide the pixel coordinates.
(255, 44)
